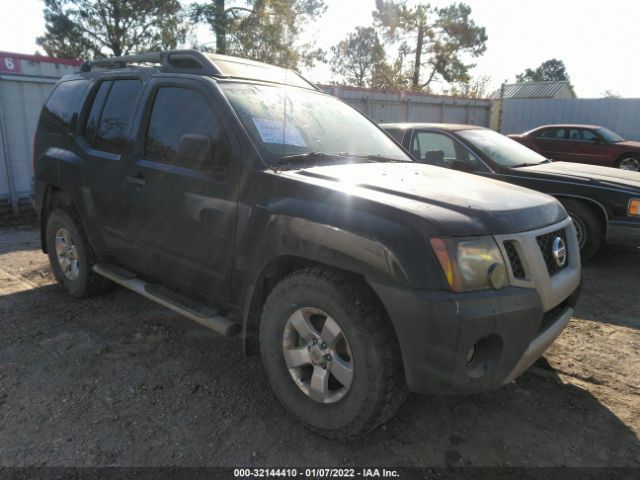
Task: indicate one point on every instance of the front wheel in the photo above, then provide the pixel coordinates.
(589, 228)
(330, 353)
(629, 162)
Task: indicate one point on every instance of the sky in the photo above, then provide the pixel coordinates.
(597, 40)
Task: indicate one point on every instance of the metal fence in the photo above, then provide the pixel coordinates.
(393, 106)
(622, 115)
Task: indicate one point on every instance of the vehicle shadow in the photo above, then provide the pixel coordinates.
(118, 380)
(609, 289)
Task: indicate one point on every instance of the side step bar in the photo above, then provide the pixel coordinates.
(199, 313)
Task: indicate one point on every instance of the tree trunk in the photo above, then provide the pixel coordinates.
(416, 66)
(220, 28)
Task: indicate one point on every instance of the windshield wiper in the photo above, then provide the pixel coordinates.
(376, 158)
(530, 164)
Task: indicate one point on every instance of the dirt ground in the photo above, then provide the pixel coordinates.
(118, 380)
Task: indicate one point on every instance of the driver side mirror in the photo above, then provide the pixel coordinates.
(200, 151)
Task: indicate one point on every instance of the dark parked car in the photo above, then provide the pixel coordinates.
(356, 272)
(583, 144)
(604, 203)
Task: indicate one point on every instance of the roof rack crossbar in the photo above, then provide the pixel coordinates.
(185, 61)
(189, 62)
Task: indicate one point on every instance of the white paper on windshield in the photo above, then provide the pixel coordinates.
(274, 131)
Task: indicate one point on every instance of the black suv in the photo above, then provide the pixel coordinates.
(239, 195)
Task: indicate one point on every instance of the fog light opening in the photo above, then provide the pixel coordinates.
(483, 355)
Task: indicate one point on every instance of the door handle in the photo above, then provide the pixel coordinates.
(137, 179)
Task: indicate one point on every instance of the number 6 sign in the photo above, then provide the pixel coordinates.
(9, 64)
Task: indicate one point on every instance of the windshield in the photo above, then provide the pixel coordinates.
(285, 121)
(609, 136)
(502, 150)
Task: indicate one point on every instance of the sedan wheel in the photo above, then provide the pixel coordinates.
(580, 231)
(630, 163)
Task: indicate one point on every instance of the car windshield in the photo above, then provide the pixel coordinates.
(610, 136)
(502, 150)
(304, 126)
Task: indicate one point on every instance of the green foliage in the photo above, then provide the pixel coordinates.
(551, 70)
(431, 39)
(358, 56)
(476, 87)
(263, 30)
(96, 28)
(391, 75)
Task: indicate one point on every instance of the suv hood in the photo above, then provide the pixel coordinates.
(624, 179)
(459, 203)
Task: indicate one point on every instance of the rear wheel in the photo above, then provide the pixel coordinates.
(71, 256)
(588, 227)
(629, 162)
(330, 353)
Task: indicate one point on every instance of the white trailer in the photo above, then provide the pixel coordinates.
(25, 83)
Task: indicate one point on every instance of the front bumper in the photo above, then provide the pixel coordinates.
(626, 233)
(437, 330)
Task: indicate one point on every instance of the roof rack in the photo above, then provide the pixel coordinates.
(174, 61)
(193, 61)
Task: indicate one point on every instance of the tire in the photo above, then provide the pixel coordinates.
(629, 162)
(588, 226)
(377, 387)
(77, 275)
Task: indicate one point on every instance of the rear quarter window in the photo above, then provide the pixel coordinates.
(63, 102)
(110, 114)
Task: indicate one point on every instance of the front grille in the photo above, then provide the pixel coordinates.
(545, 242)
(514, 259)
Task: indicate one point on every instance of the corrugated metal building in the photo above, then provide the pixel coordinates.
(25, 83)
(559, 89)
(528, 90)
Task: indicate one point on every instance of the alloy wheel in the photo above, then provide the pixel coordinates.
(317, 355)
(630, 163)
(67, 254)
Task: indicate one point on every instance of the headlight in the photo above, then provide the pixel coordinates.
(634, 207)
(471, 263)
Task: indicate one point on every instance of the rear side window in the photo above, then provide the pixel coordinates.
(552, 133)
(63, 102)
(176, 112)
(110, 115)
(91, 126)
